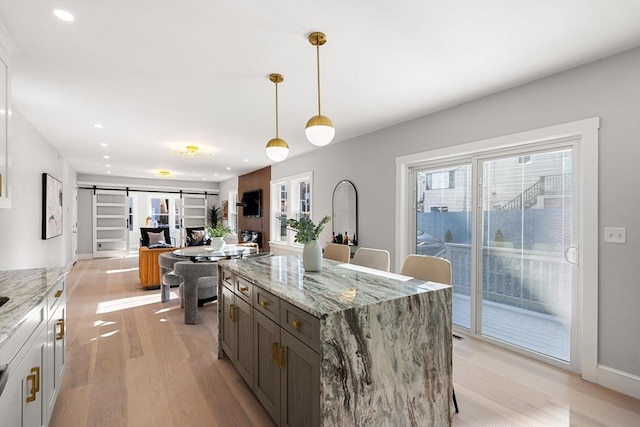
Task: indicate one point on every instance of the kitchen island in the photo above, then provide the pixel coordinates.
(344, 346)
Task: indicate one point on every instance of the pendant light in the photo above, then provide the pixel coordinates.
(320, 130)
(277, 148)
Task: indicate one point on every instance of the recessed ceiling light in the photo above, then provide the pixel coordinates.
(228, 168)
(204, 179)
(215, 174)
(104, 144)
(98, 125)
(106, 157)
(246, 160)
(108, 171)
(64, 15)
(108, 166)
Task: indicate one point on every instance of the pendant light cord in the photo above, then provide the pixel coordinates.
(276, 109)
(318, 69)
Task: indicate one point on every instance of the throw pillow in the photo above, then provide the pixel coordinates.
(197, 237)
(156, 238)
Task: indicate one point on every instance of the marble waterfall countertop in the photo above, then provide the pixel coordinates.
(338, 287)
(25, 289)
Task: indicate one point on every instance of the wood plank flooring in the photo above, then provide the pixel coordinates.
(131, 361)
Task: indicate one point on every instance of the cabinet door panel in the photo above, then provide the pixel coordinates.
(266, 370)
(228, 329)
(300, 383)
(244, 351)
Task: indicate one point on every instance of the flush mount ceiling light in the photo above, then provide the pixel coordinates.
(164, 174)
(64, 15)
(320, 130)
(277, 148)
(191, 151)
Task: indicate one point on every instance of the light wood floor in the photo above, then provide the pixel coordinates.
(131, 361)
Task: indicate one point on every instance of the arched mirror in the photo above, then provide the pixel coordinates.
(345, 211)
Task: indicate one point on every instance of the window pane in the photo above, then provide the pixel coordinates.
(283, 206)
(305, 197)
(443, 228)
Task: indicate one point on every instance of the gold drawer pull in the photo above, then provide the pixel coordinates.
(244, 288)
(232, 308)
(264, 303)
(36, 371)
(296, 324)
(60, 335)
(32, 392)
(274, 352)
(281, 357)
(59, 294)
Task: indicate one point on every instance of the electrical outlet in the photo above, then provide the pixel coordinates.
(615, 235)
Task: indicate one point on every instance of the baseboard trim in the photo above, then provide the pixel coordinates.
(85, 256)
(619, 381)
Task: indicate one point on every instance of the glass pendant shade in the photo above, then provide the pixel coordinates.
(320, 130)
(277, 149)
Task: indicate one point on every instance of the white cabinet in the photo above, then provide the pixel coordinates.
(22, 402)
(35, 355)
(56, 343)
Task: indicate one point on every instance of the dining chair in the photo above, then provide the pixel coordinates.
(337, 252)
(429, 269)
(372, 258)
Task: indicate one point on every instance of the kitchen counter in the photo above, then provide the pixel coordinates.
(25, 289)
(384, 341)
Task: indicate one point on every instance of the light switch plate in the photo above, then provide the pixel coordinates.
(615, 235)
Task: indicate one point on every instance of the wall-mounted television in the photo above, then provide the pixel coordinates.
(252, 203)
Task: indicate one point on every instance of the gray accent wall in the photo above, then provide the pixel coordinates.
(21, 244)
(608, 88)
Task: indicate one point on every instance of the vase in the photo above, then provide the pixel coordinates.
(312, 256)
(217, 243)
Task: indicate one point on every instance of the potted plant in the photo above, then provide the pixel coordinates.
(307, 233)
(217, 233)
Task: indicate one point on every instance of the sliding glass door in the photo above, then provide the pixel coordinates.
(506, 221)
(526, 229)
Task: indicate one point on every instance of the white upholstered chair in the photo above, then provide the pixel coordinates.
(337, 252)
(429, 269)
(372, 258)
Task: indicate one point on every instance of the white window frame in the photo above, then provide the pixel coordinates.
(293, 203)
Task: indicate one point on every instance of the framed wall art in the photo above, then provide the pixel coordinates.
(51, 207)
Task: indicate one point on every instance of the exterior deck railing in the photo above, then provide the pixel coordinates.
(528, 279)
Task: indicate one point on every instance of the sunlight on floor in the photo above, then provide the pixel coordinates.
(103, 323)
(131, 302)
(122, 270)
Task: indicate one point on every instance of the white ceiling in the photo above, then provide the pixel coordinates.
(160, 75)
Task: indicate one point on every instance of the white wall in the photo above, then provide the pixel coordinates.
(21, 244)
(609, 89)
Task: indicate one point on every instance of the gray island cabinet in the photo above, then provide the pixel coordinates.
(346, 346)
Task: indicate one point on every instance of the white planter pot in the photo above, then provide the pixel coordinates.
(217, 243)
(312, 256)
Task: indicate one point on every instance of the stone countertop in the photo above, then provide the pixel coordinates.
(25, 289)
(338, 287)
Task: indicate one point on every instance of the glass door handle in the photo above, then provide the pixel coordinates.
(571, 255)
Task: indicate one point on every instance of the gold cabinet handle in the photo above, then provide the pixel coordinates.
(58, 294)
(60, 334)
(244, 288)
(232, 308)
(296, 324)
(274, 352)
(281, 357)
(36, 370)
(32, 391)
(264, 303)
(34, 377)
